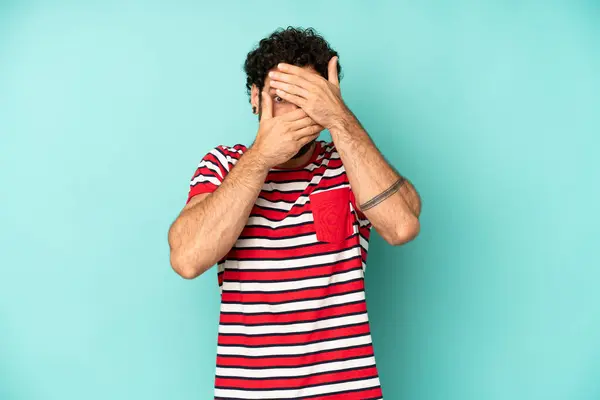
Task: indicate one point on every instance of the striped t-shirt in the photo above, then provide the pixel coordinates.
(293, 321)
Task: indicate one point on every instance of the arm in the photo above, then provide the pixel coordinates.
(395, 217)
(393, 213)
(209, 224)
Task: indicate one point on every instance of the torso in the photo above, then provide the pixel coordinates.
(293, 320)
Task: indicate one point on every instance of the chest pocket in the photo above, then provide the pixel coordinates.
(331, 214)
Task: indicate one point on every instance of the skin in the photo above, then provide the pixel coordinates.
(396, 219)
(209, 224)
(280, 107)
(297, 104)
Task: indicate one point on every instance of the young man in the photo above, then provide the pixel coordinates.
(288, 222)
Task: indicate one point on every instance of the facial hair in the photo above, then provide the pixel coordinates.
(304, 149)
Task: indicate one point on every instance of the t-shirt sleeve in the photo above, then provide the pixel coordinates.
(210, 173)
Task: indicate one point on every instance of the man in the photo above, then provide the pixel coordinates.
(289, 228)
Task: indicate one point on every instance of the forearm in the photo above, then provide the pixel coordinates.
(396, 217)
(204, 233)
(396, 214)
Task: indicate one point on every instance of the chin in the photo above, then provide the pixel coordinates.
(303, 150)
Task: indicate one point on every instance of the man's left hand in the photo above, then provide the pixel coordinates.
(319, 97)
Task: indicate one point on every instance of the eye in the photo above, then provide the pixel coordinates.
(278, 99)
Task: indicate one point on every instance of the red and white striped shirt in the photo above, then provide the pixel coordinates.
(293, 321)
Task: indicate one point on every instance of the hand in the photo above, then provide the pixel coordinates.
(320, 98)
(279, 138)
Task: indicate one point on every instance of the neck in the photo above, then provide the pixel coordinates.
(302, 160)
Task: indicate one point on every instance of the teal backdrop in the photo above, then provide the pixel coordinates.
(491, 108)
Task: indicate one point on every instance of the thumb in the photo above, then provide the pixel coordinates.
(267, 106)
(332, 73)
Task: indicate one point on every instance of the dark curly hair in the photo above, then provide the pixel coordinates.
(292, 45)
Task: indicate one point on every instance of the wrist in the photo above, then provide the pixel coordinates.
(256, 158)
(342, 123)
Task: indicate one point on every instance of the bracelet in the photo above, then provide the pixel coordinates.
(384, 195)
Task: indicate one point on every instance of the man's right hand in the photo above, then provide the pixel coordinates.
(280, 138)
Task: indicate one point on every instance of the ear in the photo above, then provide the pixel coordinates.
(254, 96)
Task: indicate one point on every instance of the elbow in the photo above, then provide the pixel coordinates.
(185, 267)
(184, 261)
(406, 232)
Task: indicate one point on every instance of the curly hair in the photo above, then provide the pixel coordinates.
(296, 46)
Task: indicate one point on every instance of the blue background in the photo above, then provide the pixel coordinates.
(490, 108)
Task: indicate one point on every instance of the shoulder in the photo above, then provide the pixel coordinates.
(226, 154)
(233, 150)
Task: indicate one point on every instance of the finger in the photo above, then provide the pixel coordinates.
(290, 88)
(294, 70)
(267, 105)
(333, 71)
(293, 115)
(292, 98)
(292, 79)
(301, 123)
(308, 139)
(311, 130)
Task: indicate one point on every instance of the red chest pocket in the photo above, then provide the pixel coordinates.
(331, 213)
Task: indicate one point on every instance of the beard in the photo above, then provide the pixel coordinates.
(304, 149)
